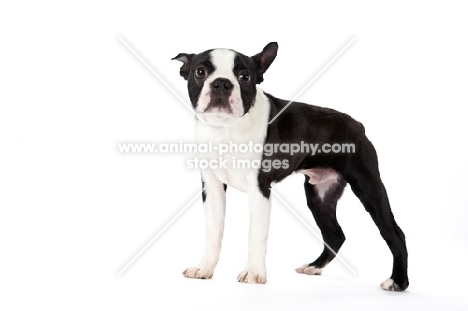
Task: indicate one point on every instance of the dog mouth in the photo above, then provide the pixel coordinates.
(219, 104)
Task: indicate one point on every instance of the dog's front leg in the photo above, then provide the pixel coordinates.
(259, 221)
(214, 202)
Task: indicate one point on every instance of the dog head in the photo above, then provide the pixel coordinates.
(222, 82)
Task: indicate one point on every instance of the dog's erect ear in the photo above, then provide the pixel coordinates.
(264, 59)
(186, 59)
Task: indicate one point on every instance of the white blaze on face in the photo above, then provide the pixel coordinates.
(223, 62)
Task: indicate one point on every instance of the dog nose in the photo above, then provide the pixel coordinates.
(221, 85)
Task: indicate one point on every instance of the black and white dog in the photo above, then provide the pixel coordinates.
(222, 86)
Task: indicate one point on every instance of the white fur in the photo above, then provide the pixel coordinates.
(251, 127)
(311, 270)
(259, 222)
(215, 210)
(323, 179)
(388, 285)
(223, 60)
(323, 187)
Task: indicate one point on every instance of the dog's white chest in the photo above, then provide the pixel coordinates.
(231, 165)
(236, 178)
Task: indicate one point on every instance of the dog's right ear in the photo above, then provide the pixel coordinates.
(186, 59)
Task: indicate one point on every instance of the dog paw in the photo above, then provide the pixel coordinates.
(198, 273)
(310, 270)
(391, 285)
(252, 276)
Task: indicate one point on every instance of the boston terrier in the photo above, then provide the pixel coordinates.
(231, 109)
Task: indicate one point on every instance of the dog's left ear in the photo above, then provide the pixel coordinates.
(186, 59)
(264, 59)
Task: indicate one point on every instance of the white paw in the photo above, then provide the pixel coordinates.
(312, 270)
(198, 273)
(388, 285)
(252, 276)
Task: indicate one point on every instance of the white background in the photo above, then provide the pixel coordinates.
(73, 211)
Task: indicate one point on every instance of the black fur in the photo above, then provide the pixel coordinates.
(244, 64)
(254, 66)
(190, 63)
(324, 212)
(204, 192)
(312, 124)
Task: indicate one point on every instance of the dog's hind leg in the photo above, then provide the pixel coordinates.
(365, 182)
(371, 191)
(322, 198)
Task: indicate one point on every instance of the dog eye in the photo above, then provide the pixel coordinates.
(200, 73)
(244, 78)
